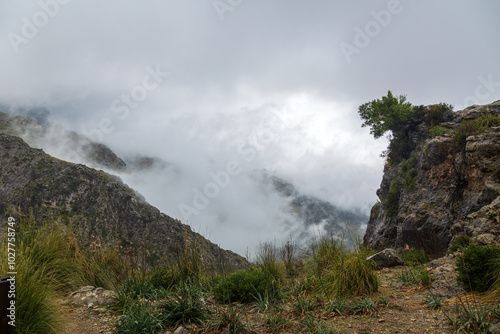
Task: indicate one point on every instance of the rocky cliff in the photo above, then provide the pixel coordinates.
(445, 183)
(96, 205)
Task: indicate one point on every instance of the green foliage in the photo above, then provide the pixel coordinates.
(241, 286)
(136, 288)
(341, 273)
(304, 305)
(229, 319)
(433, 301)
(436, 113)
(138, 318)
(391, 202)
(267, 260)
(459, 242)
(186, 306)
(476, 267)
(277, 322)
(474, 127)
(414, 257)
(361, 306)
(385, 114)
(473, 317)
(316, 326)
(165, 278)
(437, 131)
(409, 172)
(415, 275)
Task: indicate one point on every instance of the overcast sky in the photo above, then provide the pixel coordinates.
(249, 84)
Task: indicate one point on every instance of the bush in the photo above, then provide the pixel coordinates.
(476, 267)
(437, 131)
(165, 278)
(241, 286)
(459, 242)
(474, 127)
(409, 172)
(391, 202)
(414, 257)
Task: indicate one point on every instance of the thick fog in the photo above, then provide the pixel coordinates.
(218, 90)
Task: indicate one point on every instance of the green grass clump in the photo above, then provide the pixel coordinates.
(414, 257)
(139, 318)
(165, 278)
(241, 286)
(415, 275)
(476, 267)
(185, 306)
(340, 273)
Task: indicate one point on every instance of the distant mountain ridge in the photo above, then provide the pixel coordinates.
(314, 213)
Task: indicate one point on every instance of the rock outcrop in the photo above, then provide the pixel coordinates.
(447, 185)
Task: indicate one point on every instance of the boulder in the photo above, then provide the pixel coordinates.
(90, 295)
(386, 258)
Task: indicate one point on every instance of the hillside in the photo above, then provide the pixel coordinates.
(444, 184)
(93, 203)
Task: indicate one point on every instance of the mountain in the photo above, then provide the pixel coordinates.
(94, 204)
(316, 215)
(444, 184)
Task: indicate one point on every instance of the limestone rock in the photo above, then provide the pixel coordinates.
(455, 188)
(386, 258)
(91, 296)
(181, 330)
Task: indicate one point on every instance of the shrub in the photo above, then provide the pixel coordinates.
(474, 127)
(391, 202)
(459, 242)
(409, 172)
(476, 267)
(165, 278)
(414, 257)
(241, 286)
(437, 131)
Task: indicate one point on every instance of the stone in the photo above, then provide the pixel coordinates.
(91, 296)
(386, 258)
(454, 190)
(181, 330)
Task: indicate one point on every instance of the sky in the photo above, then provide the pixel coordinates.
(220, 89)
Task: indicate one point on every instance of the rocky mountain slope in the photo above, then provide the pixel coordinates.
(98, 206)
(446, 182)
(318, 215)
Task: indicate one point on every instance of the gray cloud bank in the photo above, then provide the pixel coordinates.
(271, 85)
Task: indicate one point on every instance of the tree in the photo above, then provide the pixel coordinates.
(386, 114)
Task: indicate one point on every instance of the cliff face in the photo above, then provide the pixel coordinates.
(447, 186)
(94, 204)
